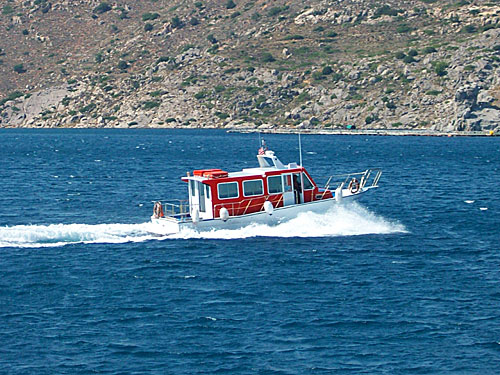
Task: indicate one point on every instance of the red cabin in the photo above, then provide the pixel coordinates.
(245, 192)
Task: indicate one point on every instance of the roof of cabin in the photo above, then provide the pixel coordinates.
(253, 172)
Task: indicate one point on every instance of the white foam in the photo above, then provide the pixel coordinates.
(64, 234)
(341, 220)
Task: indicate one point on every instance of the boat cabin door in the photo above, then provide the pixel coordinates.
(200, 199)
(292, 191)
(288, 195)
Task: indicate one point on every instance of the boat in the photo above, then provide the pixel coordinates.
(269, 194)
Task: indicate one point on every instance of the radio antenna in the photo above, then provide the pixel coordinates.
(300, 151)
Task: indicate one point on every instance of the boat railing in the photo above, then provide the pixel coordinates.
(367, 179)
(176, 208)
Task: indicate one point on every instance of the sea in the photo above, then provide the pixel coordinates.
(404, 281)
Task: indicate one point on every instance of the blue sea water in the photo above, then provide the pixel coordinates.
(404, 282)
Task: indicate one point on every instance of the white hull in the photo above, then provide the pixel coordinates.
(168, 225)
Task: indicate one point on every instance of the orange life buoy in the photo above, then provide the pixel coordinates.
(158, 210)
(354, 186)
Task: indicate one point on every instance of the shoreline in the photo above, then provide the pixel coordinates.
(365, 132)
(371, 132)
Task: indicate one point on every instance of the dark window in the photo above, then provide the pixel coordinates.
(191, 185)
(254, 187)
(274, 185)
(269, 161)
(228, 190)
(307, 182)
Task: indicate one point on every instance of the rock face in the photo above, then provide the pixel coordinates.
(300, 65)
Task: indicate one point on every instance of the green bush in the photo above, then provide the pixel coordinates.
(413, 52)
(19, 68)
(235, 14)
(433, 92)
(221, 115)
(303, 97)
(102, 8)
(267, 57)
(440, 68)
(327, 70)
(230, 4)
(176, 23)
(156, 93)
(469, 29)
(386, 10)
(408, 60)
(148, 27)
(211, 38)
(7, 9)
(331, 34)
(400, 55)
(26, 32)
(429, 49)
(99, 58)
(294, 37)
(274, 11)
(163, 59)
(88, 108)
(194, 21)
(403, 28)
(198, 4)
(123, 65)
(317, 75)
(201, 94)
(150, 16)
(151, 104)
(371, 118)
(12, 96)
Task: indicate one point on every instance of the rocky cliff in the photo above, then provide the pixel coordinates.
(298, 64)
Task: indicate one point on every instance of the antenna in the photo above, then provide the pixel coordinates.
(300, 151)
(301, 172)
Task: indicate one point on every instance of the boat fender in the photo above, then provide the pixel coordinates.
(268, 207)
(224, 214)
(354, 186)
(338, 194)
(196, 216)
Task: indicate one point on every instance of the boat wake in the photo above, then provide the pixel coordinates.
(349, 219)
(342, 220)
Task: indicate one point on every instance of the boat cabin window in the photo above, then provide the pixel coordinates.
(228, 190)
(268, 161)
(307, 182)
(253, 187)
(274, 185)
(192, 187)
(288, 182)
(207, 188)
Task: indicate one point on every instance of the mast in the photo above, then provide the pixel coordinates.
(301, 170)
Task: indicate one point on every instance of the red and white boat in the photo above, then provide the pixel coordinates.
(268, 194)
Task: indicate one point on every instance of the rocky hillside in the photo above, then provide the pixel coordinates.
(250, 63)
